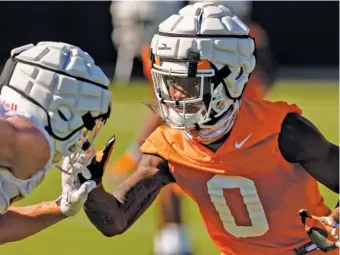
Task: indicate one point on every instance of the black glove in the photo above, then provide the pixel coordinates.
(99, 162)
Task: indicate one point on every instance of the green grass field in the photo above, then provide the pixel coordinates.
(319, 100)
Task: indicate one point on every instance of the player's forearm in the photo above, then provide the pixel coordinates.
(112, 217)
(21, 222)
(113, 214)
(103, 210)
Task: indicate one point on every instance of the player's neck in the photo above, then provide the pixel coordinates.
(214, 146)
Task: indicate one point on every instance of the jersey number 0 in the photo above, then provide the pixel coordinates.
(251, 199)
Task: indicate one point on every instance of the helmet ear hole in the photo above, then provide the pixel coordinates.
(65, 113)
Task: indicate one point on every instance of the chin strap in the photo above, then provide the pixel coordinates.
(325, 239)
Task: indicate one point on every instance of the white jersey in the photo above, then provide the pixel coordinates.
(135, 23)
(10, 186)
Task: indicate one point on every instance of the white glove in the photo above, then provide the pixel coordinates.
(331, 225)
(74, 194)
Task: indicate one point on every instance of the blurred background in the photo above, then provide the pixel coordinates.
(303, 40)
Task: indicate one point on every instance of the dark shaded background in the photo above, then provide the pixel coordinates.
(301, 33)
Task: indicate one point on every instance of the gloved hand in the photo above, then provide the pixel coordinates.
(326, 238)
(331, 223)
(74, 194)
(79, 180)
(99, 162)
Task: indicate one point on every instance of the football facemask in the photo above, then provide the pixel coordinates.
(188, 101)
(182, 98)
(83, 151)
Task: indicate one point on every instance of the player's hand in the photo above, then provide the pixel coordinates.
(74, 193)
(326, 238)
(79, 180)
(331, 223)
(99, 163)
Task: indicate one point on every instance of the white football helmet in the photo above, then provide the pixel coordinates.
(61, 87)
(202, 58)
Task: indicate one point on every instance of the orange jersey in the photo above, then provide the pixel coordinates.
(247, 193)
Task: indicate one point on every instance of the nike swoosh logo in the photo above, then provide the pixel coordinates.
(239, 145)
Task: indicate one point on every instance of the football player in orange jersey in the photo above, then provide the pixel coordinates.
(249, 164)
(170, 216)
